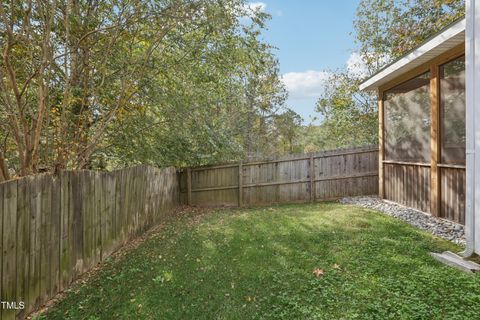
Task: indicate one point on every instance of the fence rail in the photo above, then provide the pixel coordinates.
(294, 178)
(55, 227)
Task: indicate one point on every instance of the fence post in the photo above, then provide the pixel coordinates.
(240, 183)
(312, 178)
(189, 186)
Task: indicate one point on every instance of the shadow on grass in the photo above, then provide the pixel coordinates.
(258, 263)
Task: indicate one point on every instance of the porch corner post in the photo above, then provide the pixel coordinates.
(434, 142)
(381, 146)
(472, 77)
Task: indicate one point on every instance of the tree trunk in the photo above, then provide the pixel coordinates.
(4, 174)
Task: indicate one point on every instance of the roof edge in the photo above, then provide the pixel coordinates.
(434, 41)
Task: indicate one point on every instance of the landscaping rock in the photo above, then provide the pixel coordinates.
(445, 229)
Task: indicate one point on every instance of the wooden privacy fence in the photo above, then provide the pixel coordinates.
(55, 227)
(295, 178)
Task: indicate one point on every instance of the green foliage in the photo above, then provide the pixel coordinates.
(350, 116)
(258, 263)
(288, 133)
(387, 29)
(217, 103)
(107, 84)
(384, 30)
(113, 83)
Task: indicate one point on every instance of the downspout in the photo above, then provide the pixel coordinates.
(470, 114)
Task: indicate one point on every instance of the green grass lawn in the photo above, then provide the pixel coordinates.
(258, 263)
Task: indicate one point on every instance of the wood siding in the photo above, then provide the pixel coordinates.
(408, 184)
(56, 227)
(294, 178)
(452, 194)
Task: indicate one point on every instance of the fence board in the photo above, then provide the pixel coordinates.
(43, 236)
(408, 184)
(452, 194)
(66, 227)
(9, 248)
(23, 232)
(55, 237)
(34, 254)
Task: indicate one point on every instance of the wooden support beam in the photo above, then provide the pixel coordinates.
(443, 58)
(403, 163)
(189, 186)
(381, 145)
(240, 183)
(350, 176)
(435, 142)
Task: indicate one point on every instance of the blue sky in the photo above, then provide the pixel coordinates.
(312, 36)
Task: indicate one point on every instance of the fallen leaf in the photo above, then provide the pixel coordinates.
(336, 266)
(318, 272)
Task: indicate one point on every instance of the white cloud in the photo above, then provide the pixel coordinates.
(249, 9)
(256, 6)
(356, 65)
(304, 85)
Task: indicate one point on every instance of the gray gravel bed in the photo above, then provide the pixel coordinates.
(439, 227)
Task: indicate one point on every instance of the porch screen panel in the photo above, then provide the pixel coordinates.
(407, 121)
(452, 102)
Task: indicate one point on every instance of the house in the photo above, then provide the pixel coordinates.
(429, 126)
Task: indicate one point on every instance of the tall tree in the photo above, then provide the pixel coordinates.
(216, 105)
(384, 30)
(88, 84)
(349, 116)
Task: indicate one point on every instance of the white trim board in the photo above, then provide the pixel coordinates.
(472, 77)
(432, 48)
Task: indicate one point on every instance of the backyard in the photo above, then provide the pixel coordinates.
(308, 261)
(238, 159)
